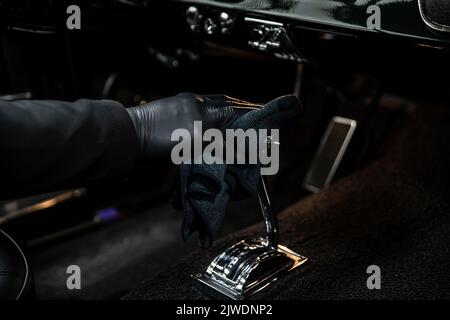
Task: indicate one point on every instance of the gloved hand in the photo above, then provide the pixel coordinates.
(155, 121)
(205, 190)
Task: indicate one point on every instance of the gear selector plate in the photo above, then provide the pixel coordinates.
(249, 266)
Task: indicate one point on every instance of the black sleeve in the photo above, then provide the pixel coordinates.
(52, 145)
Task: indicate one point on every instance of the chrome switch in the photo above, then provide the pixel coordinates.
(226, 23)
(272, 37)
(210, 26)
(193, 18)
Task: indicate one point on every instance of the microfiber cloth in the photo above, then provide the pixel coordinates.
(207, 188)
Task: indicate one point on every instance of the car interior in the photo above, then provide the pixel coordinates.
(364, 170)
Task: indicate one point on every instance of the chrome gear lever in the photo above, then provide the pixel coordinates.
(249, 266)
(270, 219)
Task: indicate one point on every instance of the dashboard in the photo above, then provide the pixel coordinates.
(289, 29)
(417, 19)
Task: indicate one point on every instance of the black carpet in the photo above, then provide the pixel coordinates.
(116, 257)
(111, 258)
(394, 213)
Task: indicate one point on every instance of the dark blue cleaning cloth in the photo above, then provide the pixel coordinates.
(207, 188)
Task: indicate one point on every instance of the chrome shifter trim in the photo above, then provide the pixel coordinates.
(239, 272)
(249, 266)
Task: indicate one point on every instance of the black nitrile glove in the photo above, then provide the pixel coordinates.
(206, 189)
(155, 121)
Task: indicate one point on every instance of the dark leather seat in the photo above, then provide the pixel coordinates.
(15, 277)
